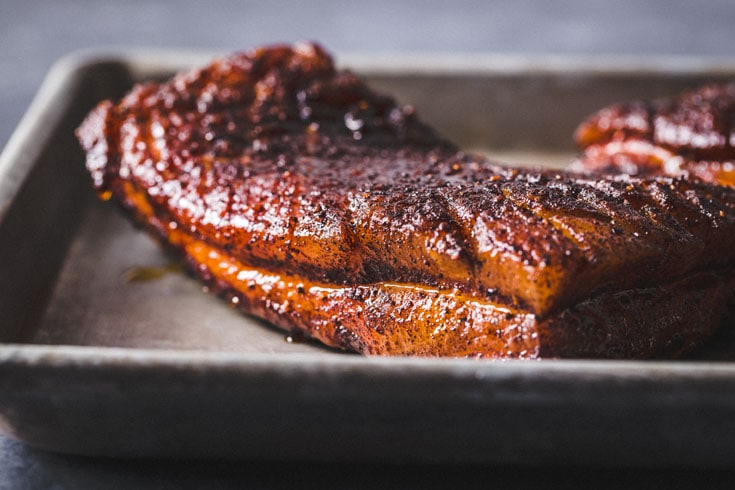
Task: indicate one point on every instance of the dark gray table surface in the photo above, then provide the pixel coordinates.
(33, 34)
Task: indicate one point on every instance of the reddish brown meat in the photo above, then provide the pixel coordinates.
(329, 209)
(692, 134)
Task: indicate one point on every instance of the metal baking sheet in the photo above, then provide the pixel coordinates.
(108, 349)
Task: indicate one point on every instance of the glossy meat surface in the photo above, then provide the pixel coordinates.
(325, 207)
(691, 134)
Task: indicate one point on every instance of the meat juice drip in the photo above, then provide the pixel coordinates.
(151, 273)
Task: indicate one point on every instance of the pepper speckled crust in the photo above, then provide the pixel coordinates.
(331, 210)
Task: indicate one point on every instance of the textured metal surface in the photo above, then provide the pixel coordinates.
(95, 363)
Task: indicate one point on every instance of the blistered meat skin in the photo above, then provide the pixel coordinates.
(691, 134)
(330, 210)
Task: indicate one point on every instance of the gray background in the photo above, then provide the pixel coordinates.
(33, 34)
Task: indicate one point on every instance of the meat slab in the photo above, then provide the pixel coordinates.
(297, 192)
(691, 134)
